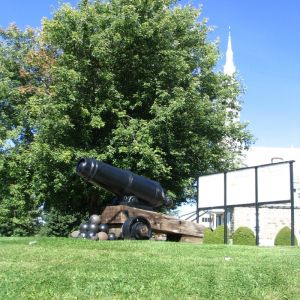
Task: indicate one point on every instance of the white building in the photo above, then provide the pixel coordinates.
(271, 217)
(229, 67)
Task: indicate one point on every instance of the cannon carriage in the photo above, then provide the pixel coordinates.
(132, 216)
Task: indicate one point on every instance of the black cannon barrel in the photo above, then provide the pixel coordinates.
(122, 182)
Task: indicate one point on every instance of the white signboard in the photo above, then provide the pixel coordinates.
(273, 186)
(274, 183)
(241, 187)
(211, 190)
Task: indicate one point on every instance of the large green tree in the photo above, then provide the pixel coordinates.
(129, 82)
(18, 82)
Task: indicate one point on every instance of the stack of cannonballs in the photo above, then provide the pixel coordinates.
(94, 230)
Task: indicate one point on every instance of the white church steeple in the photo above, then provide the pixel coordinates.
(229, 67)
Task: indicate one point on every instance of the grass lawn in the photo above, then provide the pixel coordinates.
(57, 268)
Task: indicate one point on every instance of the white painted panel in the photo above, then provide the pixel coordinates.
(241, 187)
(274, 183)
(273, 186)
(211, 190)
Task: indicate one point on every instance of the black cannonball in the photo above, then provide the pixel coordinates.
(83, 235)
(91, 235)
(96, 219)
(84, 227)
(104, 228)
(112, 236)
(93, 228)
(94, 237)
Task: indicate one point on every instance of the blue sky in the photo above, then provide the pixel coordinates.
(266, 45)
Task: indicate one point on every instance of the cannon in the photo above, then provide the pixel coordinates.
(132, 216)
(130, 189)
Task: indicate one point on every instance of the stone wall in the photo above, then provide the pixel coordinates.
(271, 220)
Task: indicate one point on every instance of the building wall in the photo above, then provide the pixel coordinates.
(271, 220)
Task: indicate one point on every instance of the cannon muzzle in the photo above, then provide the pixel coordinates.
(123, 183)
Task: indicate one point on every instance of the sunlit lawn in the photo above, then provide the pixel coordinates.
(52, 268)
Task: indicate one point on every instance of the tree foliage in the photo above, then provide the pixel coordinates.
(131, 83)
(18, 206)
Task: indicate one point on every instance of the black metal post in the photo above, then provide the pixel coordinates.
(197, 200)
(256, 209)
(225, 208)
(292, 204)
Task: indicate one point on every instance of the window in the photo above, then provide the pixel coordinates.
(206, 220)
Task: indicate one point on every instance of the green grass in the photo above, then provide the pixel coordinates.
(55, 268)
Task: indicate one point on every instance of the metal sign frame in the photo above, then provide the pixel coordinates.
(255, 203)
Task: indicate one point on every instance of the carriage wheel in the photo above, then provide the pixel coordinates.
(136, 228)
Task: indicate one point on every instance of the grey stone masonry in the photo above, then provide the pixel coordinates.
(271, 220)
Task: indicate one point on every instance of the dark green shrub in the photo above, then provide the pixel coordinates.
(59, 224)
(283, 237)
(208, 236)
(6, 228)
(219, 235)
(25, 225)
(216, 236)
(244, 236)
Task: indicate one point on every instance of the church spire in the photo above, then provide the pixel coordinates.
(229, 67)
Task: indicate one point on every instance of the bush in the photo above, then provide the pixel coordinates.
(244, 236)
(59, 224)
(219, 235)
(283, 237)
(216, 236)
(6, 228)
(25, 225)
(208, 236)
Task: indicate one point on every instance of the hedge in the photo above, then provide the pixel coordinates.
(244, 236)
(208, 236)
(283, 237)
(214, 237)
